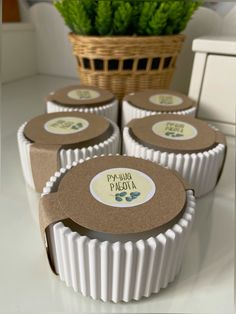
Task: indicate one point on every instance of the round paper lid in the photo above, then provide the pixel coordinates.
(173, 133)
(121, 195)
(160, 100)
(65, 128)
(81, 95)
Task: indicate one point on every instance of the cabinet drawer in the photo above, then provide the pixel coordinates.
(218, 94)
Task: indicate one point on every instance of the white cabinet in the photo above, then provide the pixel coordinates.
(213, 81)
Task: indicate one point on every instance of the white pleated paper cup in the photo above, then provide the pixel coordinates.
(130, 112)
(116, 267)
(110, 145)
(100, 102)
(151, 102)
(109, 111)
(200, 169)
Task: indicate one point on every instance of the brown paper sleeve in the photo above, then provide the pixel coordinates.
(131, 123)
(220, 139)
(44, 163)
(49, 213)
(60, 97)
(49, 98)
(141, 100)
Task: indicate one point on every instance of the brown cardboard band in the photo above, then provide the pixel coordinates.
(71, 202)
(141, 131)
(44, 151)
(60, 97)
(46, 220)
(84, 231)
(131, 123)
(220, 138)
(45, 217)
(103, 218)
(44, 163)
(76, 202)
(93, 141)
(49, 211)
(141, 100)
(98, 128)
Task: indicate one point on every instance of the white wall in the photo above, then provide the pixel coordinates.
(24, 11)
(54, 54)
(18, 58)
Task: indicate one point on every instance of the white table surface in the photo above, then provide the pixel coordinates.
(204, 285)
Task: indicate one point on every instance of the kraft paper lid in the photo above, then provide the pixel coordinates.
(81, 95)
(85, 196)
(175, 133)
(163, 100)
(67, 128)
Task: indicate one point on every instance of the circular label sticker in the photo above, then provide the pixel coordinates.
(122, 187)
(66, 125)
(83, 94)
(175, 130)
(166, 100)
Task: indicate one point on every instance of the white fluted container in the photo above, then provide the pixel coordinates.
(151, 102)
(200, 169)
(103, 102)
(130, 112)
(109, 111)
(113, 270)
(67, 156)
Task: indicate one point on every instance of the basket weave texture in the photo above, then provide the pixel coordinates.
(125, 64)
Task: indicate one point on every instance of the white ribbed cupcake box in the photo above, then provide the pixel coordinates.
(82, 98)
(118, 267)
(201, 169)
(109, 145)
(151, 102)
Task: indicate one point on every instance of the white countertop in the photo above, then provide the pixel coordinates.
(204, 285)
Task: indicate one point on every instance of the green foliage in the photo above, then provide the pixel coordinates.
(76, 16)
(103, 21)
(126, 17)
(158, 22)
(122, 18)
(146, 14)
(175, 16)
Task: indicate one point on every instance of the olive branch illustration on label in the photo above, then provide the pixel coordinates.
(173, 134)
(119, 197)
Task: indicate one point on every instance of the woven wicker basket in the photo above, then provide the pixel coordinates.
(126, 64)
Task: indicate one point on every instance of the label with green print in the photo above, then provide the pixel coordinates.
(122, 187)
(83, 94)
(166, 100)
(66, 125)
(175, 130)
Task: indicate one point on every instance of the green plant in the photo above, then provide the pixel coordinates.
(126, 17)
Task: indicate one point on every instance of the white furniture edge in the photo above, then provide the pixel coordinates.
(223, 44)
(199, 66)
